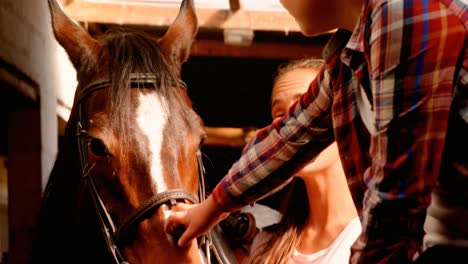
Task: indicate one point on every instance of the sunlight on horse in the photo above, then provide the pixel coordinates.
(131, 148)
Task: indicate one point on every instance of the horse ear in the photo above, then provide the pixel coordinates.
(78, 44)
(179, 37)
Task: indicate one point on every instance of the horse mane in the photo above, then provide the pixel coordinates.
(124, 52)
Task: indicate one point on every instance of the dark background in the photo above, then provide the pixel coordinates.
(229, 92)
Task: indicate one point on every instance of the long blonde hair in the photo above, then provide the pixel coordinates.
(285, 236)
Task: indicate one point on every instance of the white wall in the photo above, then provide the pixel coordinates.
(27, 42)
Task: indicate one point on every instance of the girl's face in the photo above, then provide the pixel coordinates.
(287, 89)
(313, 16)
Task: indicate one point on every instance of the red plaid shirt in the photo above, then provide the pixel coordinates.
(406, 58)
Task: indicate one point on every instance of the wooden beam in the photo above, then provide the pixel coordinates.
(260, 50)
(231, 137)
(162, 16)
(235, 5)
(18, 80)
(212, 44)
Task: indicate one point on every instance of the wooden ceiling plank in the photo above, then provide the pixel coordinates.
(164, 16)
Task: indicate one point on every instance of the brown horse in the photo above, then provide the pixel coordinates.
(131, 148)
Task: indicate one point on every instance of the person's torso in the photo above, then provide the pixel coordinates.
(337, 253)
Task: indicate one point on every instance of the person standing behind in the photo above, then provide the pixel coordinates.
(319, 220)
(394, 96)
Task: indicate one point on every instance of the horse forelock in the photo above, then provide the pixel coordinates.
(129, 52)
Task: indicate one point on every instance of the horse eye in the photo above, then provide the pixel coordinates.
(98, 147)
(203, 140)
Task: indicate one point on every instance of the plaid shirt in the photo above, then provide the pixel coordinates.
(402, 58)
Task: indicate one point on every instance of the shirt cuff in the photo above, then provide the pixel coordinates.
(223, 201)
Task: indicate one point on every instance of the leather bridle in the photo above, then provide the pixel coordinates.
(114, 236)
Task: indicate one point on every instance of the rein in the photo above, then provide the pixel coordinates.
(114, 236)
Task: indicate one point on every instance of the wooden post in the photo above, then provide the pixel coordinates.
(24, 180)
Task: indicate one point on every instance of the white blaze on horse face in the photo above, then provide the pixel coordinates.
(151, 118)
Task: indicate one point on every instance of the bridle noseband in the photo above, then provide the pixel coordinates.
(115, 236)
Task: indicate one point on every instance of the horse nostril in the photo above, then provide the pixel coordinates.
(177, 232)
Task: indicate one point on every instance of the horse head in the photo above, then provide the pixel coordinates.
(131, 147)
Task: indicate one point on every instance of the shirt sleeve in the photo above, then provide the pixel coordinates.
(412, 49)
(277, 151)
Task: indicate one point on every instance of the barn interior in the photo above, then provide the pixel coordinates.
(229, 74)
